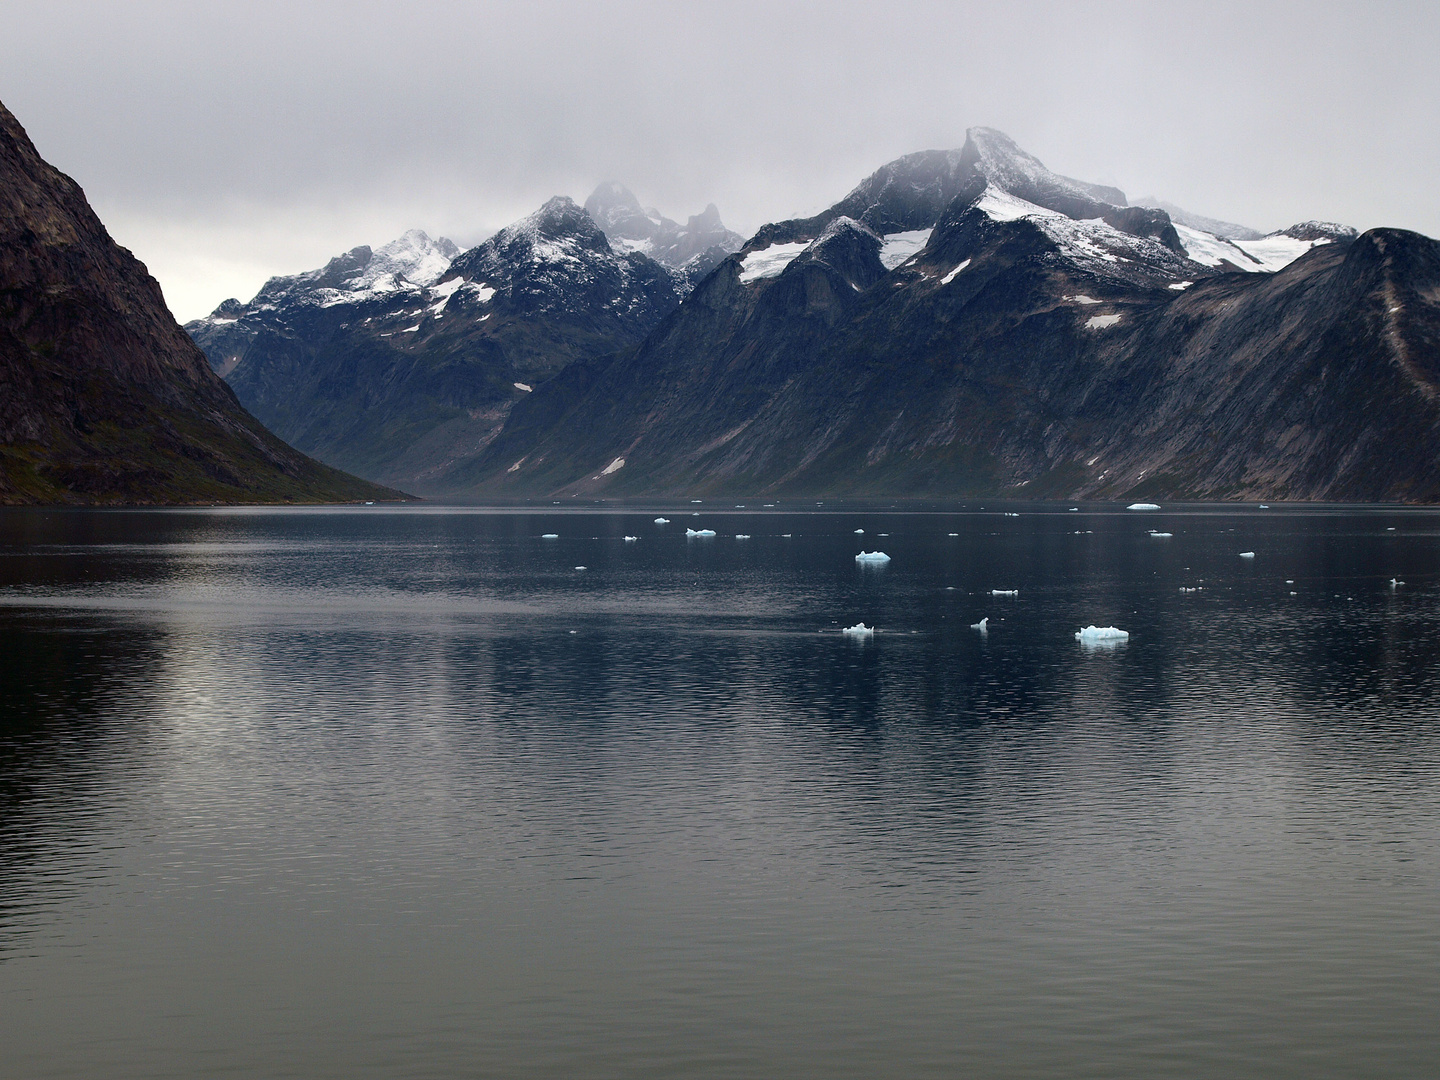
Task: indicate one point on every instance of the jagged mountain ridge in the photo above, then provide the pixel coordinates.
(1028, 337)
(403, 362)
(693, 249)
(103, 398)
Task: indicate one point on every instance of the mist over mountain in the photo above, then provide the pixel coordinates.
(969, 322)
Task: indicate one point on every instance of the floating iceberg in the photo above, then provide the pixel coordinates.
(1247, 554)
(954, 534)
(1004, 592)
(1264, 506)
(662, 521)
(699, 532)
(1395, 584)
(1160, 535)
(1008, 514)
(859, 630)
(549, 536)
(582, 568)
(980, 625)
(1101, 633)
(742, 536)
(1143, 506)
(631, 539)
(787, 536)
(877, 557)
(859, 532)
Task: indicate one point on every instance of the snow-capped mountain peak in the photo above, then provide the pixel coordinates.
(631, 227)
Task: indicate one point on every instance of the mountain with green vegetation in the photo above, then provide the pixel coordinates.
(103, 397)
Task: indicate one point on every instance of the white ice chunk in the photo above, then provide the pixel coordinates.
(1101, 633)
(582, 568)
(859, 532)
(859, 630)
(877, 557)
(631, 539)
(1247, 554)
(1143, 506)
(980, 625)
(1160, 535)
(699, 532)
(549, 536)
(614, 466)
(742, 536)
(662, 521)
(1004, 592)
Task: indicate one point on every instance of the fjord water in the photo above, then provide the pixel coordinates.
(401, 792)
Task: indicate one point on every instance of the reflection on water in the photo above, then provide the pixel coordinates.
(398, 792)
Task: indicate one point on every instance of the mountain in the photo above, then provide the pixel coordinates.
(968, 322)
(402, 363)
(103, 398)
(692, 250)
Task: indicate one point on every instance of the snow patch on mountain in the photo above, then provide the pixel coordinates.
(899, 247)
(770, 262)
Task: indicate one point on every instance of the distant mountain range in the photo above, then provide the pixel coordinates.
(403, 363)
(103, 398)
(964, 322)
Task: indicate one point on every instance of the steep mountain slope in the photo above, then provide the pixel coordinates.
(1033, 336)
(103, 399)
(401, 364)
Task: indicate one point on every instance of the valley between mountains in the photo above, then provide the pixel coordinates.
(963, 323)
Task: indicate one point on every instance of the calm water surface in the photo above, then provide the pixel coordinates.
(385, 792)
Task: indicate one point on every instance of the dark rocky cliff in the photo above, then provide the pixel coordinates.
(103, 398)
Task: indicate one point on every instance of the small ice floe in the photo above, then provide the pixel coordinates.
(1143, 506)
(980, 625)
(1004, 592)
(699, 532)
(877, 557)
(1189, 589)
(1395, 583)
(662, 521)
(697, 500)
(859, 532)
(549, 536)
(1247, 554)
(742, 536)
(859, 630)
(884, 534)
(582, 568)
(1160, 535)
(954, 534)
(786, 536)
(1389, 528)
(1289, 581)
(1264, 506)
(1073, 510)
(631, 539)
(1101, 633)
(1009, 514)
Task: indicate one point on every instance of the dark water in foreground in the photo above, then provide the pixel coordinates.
(400, 793)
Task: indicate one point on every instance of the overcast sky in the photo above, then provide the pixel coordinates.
(224, 143)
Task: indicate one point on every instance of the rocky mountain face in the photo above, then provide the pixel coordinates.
(402, 363)
(969, 323)
(103, 398)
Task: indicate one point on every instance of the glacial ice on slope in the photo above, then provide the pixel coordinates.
(859, 630)
(1101, 322)
(1143, 506)
(896, 248)
(770, 262)
(872, 557)
(699, 532)
(1101, 633)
